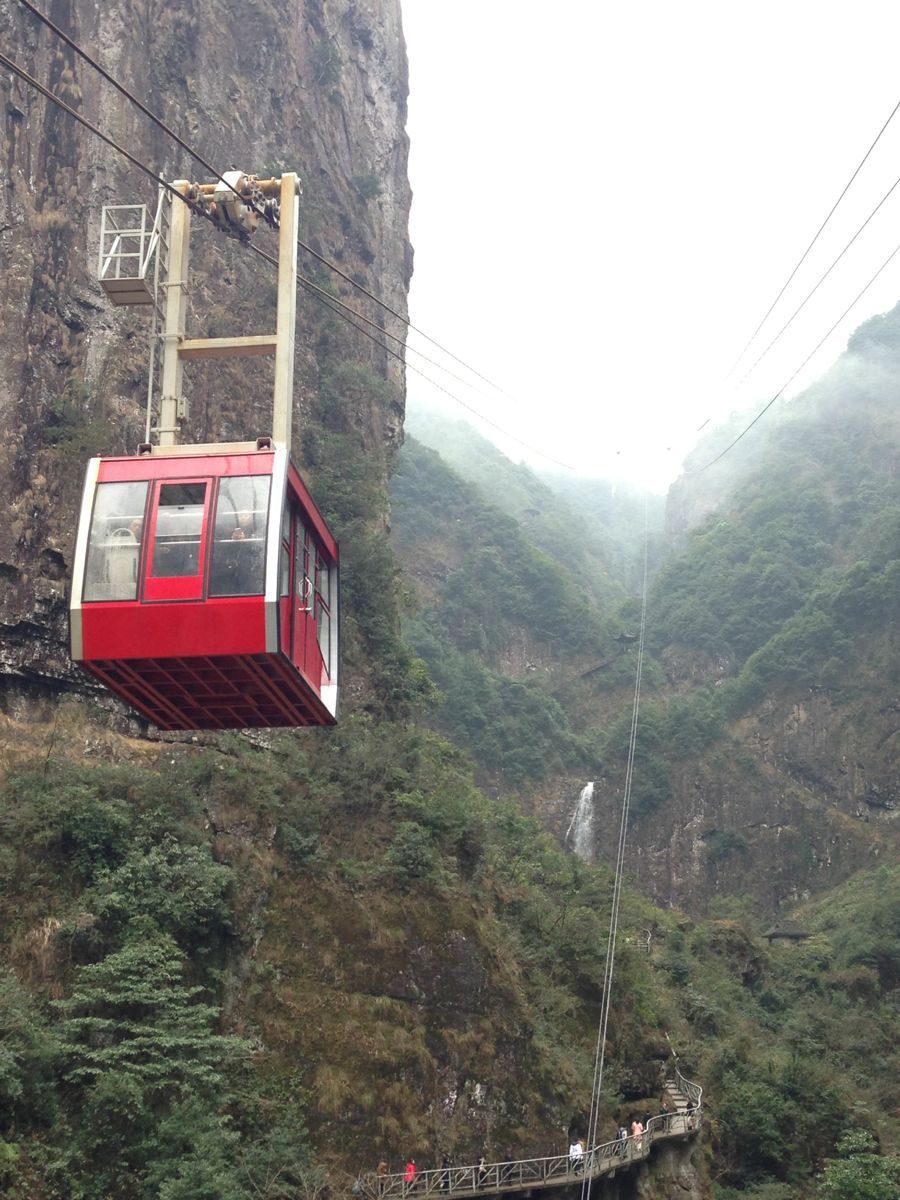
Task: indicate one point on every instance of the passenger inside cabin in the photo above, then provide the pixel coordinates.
(120, 560)
(237, 557)
(244, 527)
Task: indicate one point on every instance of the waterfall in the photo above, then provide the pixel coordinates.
(580, 834)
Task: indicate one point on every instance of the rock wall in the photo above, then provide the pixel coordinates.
(316, 86)
(801, 796)
(674, 1171)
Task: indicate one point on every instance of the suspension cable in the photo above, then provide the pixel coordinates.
(388, 308)
(326, 299)
(803, 257)
(158, 121)
(600, 1052)
(333, 302)
(29, 79)
(893, 254)
(312, 286)
(803, 303)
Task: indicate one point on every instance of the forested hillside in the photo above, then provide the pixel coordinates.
(593, 526)
(254, 964)
(767, 742)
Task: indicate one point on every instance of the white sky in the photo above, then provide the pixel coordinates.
(607, 197)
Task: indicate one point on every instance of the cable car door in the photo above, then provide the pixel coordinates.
(303, 648)
(179, 523)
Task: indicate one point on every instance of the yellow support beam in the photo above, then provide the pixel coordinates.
(228, 347)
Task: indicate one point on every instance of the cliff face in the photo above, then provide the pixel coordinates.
(273, 85)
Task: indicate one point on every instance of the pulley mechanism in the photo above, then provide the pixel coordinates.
(237, 201)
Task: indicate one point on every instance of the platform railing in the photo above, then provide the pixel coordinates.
(524, 1174)
(693, 1091)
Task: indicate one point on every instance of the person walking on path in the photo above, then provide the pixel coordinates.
(637, 1132)
(409, 1175)
(576, 1155)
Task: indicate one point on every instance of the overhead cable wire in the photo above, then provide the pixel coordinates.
(812, 352)
(822, 279)
(44, 91)
(312, 286)
(406, 321)
(818, 234)
(308, 284)
(158, 121)
(326, 299)
(609, 967)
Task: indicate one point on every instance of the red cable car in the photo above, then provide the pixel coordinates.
(205, 588)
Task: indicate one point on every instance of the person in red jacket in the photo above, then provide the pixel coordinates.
(409, 1175)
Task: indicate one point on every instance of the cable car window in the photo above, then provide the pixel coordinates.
(179, 526)
(285, 585)
(114, 546)
(239, 537)
(323, 609)
(303, 568)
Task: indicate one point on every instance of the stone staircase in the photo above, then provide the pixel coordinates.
(676, 1096)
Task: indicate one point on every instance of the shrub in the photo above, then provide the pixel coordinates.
(411, 856)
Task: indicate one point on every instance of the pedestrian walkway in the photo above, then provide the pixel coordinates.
(492, 1179)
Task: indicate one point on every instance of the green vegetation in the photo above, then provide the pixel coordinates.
(139, 1061)
(219, 959)
(735, 585)
(498, 579)
(115, 1052)
(122, 1087)
(512, 728)
(367, 186)
(858, 1173)
(491, 596)
(130, 895)
(327, 65)
(542, 512)
(818, 644)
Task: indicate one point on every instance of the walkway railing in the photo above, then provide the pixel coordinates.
(556, 1170)
(693, 1091)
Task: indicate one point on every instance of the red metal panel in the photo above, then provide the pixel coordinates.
(311, 514)
(230, 625)
(184, 466)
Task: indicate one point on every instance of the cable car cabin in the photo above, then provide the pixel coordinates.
(205, 588)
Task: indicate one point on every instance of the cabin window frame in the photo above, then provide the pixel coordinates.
(227, 571)
(179, 586)
(115, 557)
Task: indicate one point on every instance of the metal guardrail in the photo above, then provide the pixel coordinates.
(523, 1174)
(693, 1091)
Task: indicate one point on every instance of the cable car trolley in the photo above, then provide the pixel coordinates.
(205, 583)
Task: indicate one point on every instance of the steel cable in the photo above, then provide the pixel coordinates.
(812, 352)
(818, 234)
(600, 1052)
(158, 121)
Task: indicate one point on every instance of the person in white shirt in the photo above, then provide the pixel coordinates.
(576, 1156)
